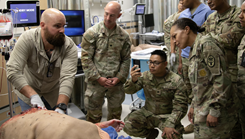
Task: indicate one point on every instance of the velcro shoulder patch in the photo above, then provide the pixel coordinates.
(213, 63)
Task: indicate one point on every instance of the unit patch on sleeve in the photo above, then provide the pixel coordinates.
(211, 61)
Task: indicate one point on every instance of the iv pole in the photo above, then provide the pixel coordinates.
(9, 89)
(6, 56)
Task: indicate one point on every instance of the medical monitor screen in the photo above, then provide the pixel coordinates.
(149, 20)
(140, 9)
(74, 22)
(28, 13)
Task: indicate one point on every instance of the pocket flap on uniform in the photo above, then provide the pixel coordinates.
(200, 116)
(164, 116)
(89, 93)
(200, 119)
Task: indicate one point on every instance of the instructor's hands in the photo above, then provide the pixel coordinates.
(59, 111)
(37, 102)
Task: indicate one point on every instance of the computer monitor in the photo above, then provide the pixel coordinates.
(28, 13)
(140, 9)
(149, 20)
(75, 24)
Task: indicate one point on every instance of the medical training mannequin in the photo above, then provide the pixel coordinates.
(45, 124)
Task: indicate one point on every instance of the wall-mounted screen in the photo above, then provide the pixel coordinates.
(140, 9)
(27, 13)
(74, 22)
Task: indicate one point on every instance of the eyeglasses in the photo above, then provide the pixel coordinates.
(50, 70)
(154, 63)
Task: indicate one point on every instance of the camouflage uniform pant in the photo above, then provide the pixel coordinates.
(94, 99)
(222, 131)
(185, 67)
(241, 94)
(236, 132)
(139, 123)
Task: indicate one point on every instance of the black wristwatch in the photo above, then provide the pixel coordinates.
(62, 106)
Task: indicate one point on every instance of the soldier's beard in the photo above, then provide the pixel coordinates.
(57, 40)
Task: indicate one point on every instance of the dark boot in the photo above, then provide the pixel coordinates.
(153, 134)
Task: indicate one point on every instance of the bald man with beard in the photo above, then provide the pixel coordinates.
(43, 65)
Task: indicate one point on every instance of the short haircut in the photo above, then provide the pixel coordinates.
(161, 53)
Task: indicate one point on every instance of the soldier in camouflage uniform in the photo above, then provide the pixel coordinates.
(224, 26)
(241, 72)
(166, 101)
(173, 66)
(213, 103)
(106, 61)
(198, 12)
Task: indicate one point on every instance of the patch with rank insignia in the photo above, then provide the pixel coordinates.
(211, 61)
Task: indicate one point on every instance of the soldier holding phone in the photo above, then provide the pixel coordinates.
(166, 100)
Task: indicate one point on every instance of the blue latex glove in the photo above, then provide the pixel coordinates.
(111, 131)
(122, 137)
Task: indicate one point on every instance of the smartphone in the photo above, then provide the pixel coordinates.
(136, 62)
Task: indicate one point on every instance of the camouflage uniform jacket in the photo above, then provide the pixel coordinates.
(167, 97)
(241, 69)
(209, 78)
(104, 54)
(227, 30)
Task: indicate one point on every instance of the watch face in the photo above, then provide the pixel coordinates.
(62, 106)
